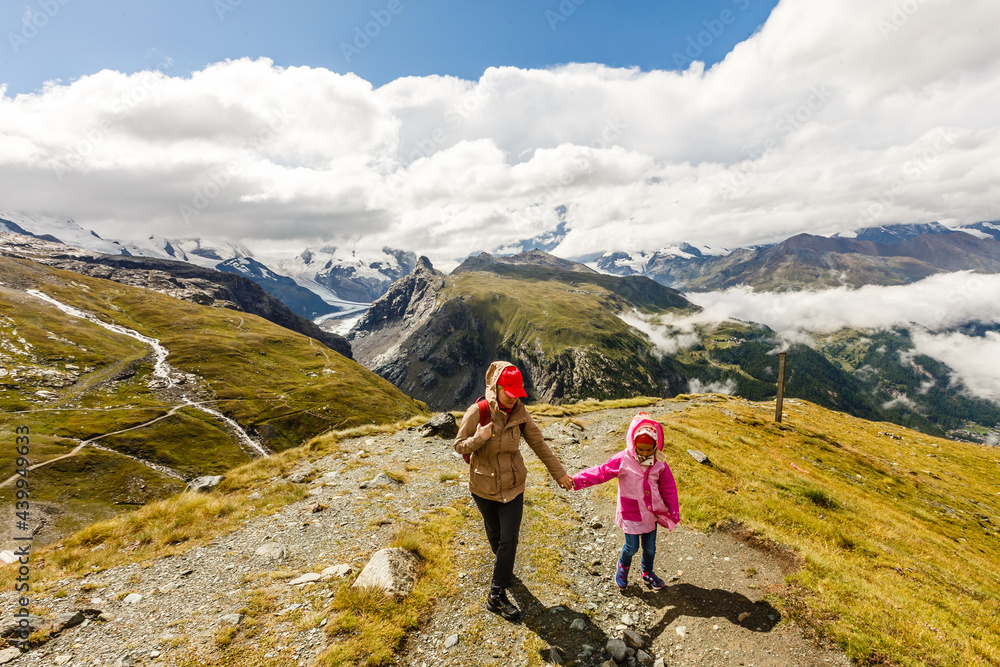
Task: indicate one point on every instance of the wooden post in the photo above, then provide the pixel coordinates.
(781, 387)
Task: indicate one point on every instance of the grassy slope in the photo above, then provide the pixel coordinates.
(272, 381)
(540, 316)
(899, 531)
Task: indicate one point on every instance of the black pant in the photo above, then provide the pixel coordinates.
(503, 524)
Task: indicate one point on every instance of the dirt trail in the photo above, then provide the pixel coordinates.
(712, 612)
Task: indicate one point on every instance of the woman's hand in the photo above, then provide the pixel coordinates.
(485, 431)
(565, 482)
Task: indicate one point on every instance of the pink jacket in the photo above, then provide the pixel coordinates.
(646, 496)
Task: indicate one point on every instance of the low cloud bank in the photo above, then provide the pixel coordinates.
(929, 308)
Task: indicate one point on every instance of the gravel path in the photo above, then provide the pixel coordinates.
(712, 613)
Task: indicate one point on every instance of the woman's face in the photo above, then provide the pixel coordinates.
(505, 399)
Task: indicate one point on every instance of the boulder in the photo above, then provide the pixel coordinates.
(392, 570)
(699, 457)
(616, 649)
(380, 480)
(442, 425)
(205, 483)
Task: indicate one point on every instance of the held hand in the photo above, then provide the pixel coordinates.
(485, 432)
(566, 482)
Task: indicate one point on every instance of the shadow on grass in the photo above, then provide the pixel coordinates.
(689, 600)
(554, 626)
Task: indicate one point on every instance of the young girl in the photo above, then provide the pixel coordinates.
(647, 495)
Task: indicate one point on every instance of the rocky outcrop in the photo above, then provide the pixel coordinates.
(431, 351)
(435, 344)
(180, 280)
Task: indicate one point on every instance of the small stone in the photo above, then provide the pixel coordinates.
(578, 625)
(633, 639)
(341, 570)
(307, 578)
(232, 619)
(62, 660)
(124, 661)
(132, 598)
(452, 640)
(699, 457)
(380, 480)
(272, 550)
(744, 616)
(643, 657)
(67, 620)
(9, 654)
(659, 663)
(300, 475)
(154, 654)
(682, 631)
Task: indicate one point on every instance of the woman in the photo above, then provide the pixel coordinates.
(497, 472)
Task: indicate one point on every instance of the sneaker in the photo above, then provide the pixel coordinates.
(652, 580)
(621, 576)
(498, 603)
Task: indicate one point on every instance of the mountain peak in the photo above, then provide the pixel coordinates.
(484, 261)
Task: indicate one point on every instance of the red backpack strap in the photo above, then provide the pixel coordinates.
(484, 418)
(484, 412)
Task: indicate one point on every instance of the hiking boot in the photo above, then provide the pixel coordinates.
(498, 603)
(621, 576)
(652, 580)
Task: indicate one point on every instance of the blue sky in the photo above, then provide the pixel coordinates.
(66, 39)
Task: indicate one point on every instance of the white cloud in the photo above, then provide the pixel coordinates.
(728, 387)
(666, 340)
(975, 360)
(936, 303)
(928, 308)
(823, 121)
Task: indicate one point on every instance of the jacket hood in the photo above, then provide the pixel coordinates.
(492, 375)
(643, 419)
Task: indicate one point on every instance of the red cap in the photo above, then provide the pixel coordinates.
(510, 380)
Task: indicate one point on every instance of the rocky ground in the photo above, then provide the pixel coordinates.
(183, 610)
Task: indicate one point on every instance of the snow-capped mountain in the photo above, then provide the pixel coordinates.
(314, 283)
(644, 262)
(347, 274)
(58, 231)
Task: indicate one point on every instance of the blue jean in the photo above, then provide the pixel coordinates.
(648, 549)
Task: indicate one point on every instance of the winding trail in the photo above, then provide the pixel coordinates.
(161, 370)
(155, 466)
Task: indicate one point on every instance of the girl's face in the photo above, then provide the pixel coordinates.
(644, 447)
